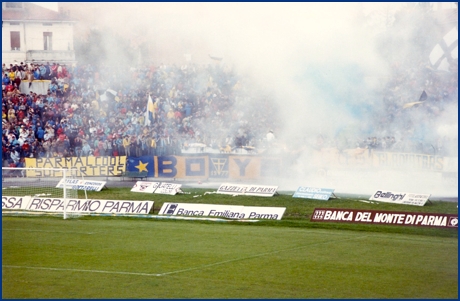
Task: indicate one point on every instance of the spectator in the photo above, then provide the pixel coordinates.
(86, 150)
(5, 80)
(15, 156)
(126, 145)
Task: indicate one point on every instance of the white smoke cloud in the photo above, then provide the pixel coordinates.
(319, 62)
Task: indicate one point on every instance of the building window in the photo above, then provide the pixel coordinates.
(47, 24)
(15, 40)
(48, 41)
(14, 23)
(13, 4)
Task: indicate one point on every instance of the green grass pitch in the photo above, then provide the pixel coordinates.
(121, 257)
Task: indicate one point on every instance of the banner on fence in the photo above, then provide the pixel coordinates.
(243, 167)
(193, 167)
(38, 86)
(79, 166)
(408, 161)
(234, 166)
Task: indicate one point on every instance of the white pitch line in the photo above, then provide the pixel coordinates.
(29, 230)
(183, 270)
(79, 270)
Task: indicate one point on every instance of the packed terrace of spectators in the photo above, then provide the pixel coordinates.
(102, 112)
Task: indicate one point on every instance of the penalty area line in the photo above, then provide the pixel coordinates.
(259, 255)
(79, 270)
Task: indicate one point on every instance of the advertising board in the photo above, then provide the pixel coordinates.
(76, 205)
(81, 184)
(404, 198)
(224, 211)
(242, 189)
(313, 193)
(385, 217)
(156, 187)
(147, 187)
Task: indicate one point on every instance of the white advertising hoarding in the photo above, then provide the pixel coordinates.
(252, 212)
(225, 211)
(76, 205)
(148, 187)
(168, 188)
(404, 198)
(241, 189)
(157, 187)
(82, 184)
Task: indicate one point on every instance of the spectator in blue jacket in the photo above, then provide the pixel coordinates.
(42, 72)
(37, 74)
(5, 80)
(40, 134)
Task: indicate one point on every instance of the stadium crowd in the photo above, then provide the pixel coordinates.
(104, 112)
(415, 103)
(190, 105)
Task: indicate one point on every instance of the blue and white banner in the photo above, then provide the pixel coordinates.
(313, 193)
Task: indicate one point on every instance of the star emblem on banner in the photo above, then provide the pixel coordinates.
(142, 166)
